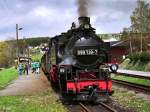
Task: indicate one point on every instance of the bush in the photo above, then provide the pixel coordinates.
(137, 61)
(147, 67)
(125, 63)
(144, 56)
(134, 57)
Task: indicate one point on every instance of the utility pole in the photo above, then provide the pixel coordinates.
(17, 42)
(17, 29)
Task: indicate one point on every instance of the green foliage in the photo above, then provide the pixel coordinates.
(125, 34)
(140, 66)
(7, 75)
(7, 54)
(8, 49)
(140, 26)
(137, 61)
(147, 67)
(125, 63)
(145, 56)
(31, 41)
(43, 102)
(140, 56)
(36, 41)
(140, 18)
(36, 57)
(134, 57)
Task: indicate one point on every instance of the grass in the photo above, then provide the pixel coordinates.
(133, 80)
(6, 76)
(129, 100)
(43, 102)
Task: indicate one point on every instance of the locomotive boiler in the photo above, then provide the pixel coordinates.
(77, 62)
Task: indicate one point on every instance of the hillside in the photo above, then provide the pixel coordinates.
(36, 41)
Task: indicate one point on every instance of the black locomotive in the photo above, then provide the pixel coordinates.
(77, 62)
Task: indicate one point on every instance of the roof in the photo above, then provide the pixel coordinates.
(110, 40)
(119, 43)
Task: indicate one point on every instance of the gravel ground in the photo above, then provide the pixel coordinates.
(97, 107)
(138, 93)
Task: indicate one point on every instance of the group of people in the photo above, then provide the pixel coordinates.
(23, 68)
(35, 66)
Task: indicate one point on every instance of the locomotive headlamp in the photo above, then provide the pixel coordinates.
(62, 70)
(86, 26)
(114, 67)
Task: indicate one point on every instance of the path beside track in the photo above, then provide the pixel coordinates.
(27, 85)
(133, 73)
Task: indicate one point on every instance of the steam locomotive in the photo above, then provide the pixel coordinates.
(76, 61)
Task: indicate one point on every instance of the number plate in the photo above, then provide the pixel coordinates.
(87, 52)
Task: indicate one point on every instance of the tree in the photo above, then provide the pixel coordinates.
(3, 54)
(7, 54)
(140, 20)
(125, 34)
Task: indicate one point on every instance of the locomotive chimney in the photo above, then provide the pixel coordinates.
(84, 20)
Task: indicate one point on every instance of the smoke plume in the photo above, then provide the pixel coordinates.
(68, 60)
(83, 7)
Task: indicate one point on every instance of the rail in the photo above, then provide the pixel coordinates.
(108, 107)
(84, 108)
(134, 85)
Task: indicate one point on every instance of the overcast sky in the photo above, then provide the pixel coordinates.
(51, 17)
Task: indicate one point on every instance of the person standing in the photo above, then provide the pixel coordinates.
(20, 68)
(26, 68)
(33, 66)
(37, 67)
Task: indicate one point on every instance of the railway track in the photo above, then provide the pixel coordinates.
(101, 107)
(84, 108)
(133, 85)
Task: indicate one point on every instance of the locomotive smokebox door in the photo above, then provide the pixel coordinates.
(86, 51)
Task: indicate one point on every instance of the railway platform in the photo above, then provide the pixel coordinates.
(133, 73)
(26, 85)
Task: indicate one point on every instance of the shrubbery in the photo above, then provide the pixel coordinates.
(143, 57)
(137, 61)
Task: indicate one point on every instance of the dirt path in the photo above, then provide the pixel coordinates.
(27, 85)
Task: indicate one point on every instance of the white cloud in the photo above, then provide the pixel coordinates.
(43, 12)
(51, 17)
